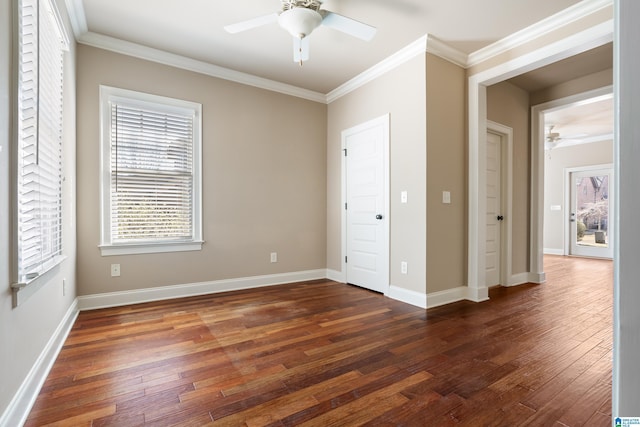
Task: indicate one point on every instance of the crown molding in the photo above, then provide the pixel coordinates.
(439, 48)
(155, 55)
(539, 29)
(78, 18)
(425, 44)
(403, 55)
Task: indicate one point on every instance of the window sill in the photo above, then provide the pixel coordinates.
(25, 288)
(149, 248)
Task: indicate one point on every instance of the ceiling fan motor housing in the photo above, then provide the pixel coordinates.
(300, 21)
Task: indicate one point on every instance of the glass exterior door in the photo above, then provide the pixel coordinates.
(590, 216)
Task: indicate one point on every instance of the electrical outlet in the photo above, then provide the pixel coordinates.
(115, 270)
(274, 256)
(403, 267)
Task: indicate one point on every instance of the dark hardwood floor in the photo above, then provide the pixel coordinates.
(322, 353)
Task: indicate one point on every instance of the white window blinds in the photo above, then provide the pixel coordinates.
(39, 194)
(152, 195)
(151, 175)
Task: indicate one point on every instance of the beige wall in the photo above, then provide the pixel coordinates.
(446, 171)
(556, 160)
(26, 330)
(509, 106)
(400, 93)
(264, 178)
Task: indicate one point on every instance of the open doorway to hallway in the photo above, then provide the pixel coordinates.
(578, 174)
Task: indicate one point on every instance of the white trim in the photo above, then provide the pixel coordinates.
(477, 294)
(407, 296)
(109, 95)
(379, 121)
(506, 196)
(178, 61)
(151, 248)
(589, 252)
(572, 45)
(519, 279)
(425, 44)
(553, 251)
(403, 55)
(336, 276)
(18, 409)
(439, 48)
(537, 277)
(116, 299)
(436, 299)
(77, 17)
(539, 29)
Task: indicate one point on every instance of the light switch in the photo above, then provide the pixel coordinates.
(446, 197)
(403, 197)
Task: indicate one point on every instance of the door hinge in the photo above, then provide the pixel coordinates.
(345, 206)
(345, 260)
(345, 152)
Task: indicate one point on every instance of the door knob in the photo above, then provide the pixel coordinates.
(378, 216)
(500, 218)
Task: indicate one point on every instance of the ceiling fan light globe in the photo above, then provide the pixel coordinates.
(300, 21)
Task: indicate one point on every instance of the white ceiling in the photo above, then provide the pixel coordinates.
(194, 29)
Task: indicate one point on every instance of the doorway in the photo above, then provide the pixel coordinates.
(366, 204)
(590, 199)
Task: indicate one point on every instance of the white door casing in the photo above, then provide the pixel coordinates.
(494, 210)
(365, 188)
(477, 120)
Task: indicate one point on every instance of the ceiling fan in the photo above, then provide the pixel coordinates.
(299, 18)
(553, 139)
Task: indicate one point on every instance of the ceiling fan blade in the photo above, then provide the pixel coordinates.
(252, 23)
(348, 26)
(300, 49)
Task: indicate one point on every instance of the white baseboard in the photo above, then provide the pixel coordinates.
(518, 279)
(553, 251)
(477, 294)
(116, 299)
(22, 402)
(537, 278)
(407, 296)
(436, 299)
(336, 276)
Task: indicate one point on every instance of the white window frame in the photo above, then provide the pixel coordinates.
(107, 246)
(50, 244)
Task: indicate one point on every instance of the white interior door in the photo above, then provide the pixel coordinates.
(367, 247)
(591, 217)
(494, 207)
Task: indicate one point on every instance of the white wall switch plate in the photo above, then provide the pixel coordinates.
(403, 267)
(274, 256)
(403, 197)
(446, 197)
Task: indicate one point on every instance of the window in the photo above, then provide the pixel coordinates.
(151, 179)
(41, 45)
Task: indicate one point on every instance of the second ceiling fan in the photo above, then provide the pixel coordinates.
(299, 18)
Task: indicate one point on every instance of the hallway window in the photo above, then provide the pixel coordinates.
(151, 173)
